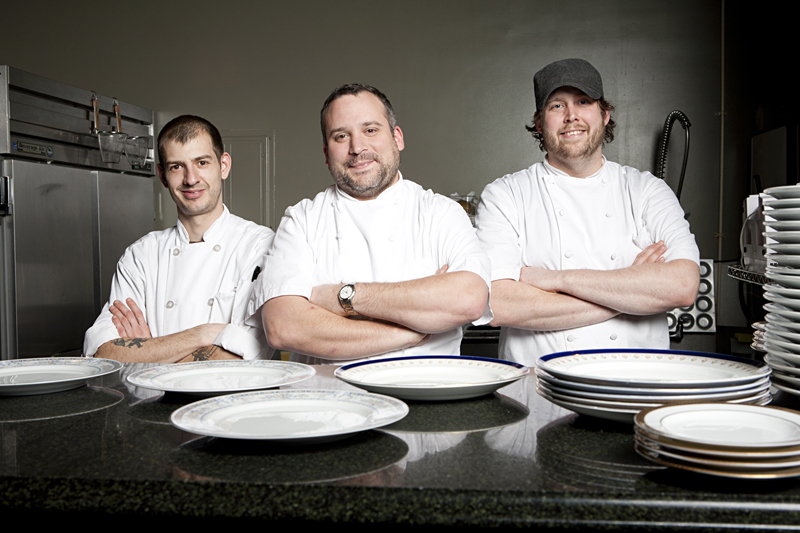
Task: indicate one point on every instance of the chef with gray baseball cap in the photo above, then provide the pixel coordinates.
(585, 253)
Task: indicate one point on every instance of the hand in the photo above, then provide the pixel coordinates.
(652, 254)
(129, 320)
(541, 278)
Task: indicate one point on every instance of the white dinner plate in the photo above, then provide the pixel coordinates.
(777, 363)
(783, 214)
(787, 280)
(780, 290)
(702, 396)
(778, 332)
(22, 377)
(289, 415)
(785, 237)
(721, 462)
(783, 225)
(783, 311)
(782, 347)
(623, 404)
(784, 260)
(724, 425)
(781, 203)
(435, 377)
(738, 453)
(618, 415)
(771, 473)
(649, 391)
(783, 191)
(786, 387)
(774, 319)
(791, 303)
(783, 248)
(652, 368)
(774, 268)
(218, 377)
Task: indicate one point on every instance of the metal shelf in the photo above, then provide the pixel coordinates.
(756, 278)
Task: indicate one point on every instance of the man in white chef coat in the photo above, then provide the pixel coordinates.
(585, 253)
(181, 294)
(374, 265)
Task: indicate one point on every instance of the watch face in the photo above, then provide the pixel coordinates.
(346, 292)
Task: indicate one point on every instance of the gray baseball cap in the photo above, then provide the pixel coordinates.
(577, 73)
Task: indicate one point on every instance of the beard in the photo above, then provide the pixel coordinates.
(371, 183)
(555, 145)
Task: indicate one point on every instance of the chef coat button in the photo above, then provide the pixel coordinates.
(211, 302)
(567, 254)
(613, 256)
(217, 247)
(604, 180)
(609, 214)
(571, 338)
(560, 212)
(391, 238)
(170, 305)
(175, 251)
(613, 336)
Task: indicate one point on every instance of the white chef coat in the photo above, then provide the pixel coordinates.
(405, 233)
(542, 217)
(179, 285)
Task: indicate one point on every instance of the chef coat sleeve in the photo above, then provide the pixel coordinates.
(663, 219)
(498, 231)
(461, 250)
(242, 337)
(128, 282)
(288, 268)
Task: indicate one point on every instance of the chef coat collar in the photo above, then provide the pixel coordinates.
(385, 196)
(554, 171)
(212, 234)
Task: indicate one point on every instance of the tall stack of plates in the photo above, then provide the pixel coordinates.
(742, 441)
(782, 334)
(617, 384)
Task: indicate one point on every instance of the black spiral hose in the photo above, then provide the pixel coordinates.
(662, 159)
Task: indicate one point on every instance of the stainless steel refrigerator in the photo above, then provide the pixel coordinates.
(66, 216)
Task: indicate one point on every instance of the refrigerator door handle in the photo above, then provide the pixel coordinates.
(5, 195)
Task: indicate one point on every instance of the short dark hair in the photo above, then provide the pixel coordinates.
(608, 134)
(354, 89)
(185, 128)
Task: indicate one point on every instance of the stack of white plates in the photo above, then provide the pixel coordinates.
(781, 338)
(742, 441)
(617, 384)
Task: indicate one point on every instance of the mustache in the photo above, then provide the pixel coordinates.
(367, 156)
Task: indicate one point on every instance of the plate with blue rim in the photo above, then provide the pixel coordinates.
(652, 368)
(432, 377)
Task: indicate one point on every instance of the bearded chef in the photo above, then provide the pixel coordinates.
(585, 253)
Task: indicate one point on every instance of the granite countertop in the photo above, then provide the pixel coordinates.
(107, 451)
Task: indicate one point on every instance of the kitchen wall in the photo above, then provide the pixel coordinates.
(457, 71)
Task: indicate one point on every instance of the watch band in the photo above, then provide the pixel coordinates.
(346, 294)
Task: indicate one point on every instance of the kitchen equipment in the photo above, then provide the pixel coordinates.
(66, 216)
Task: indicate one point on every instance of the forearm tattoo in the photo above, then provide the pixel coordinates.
(129, 343)
(204, 353)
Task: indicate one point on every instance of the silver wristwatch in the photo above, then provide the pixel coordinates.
(346, 294)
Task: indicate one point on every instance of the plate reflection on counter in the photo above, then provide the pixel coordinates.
(367, 453)
(586, 453)
(477, 414)
(70, 403)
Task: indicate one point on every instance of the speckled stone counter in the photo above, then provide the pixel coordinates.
(106, 455)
